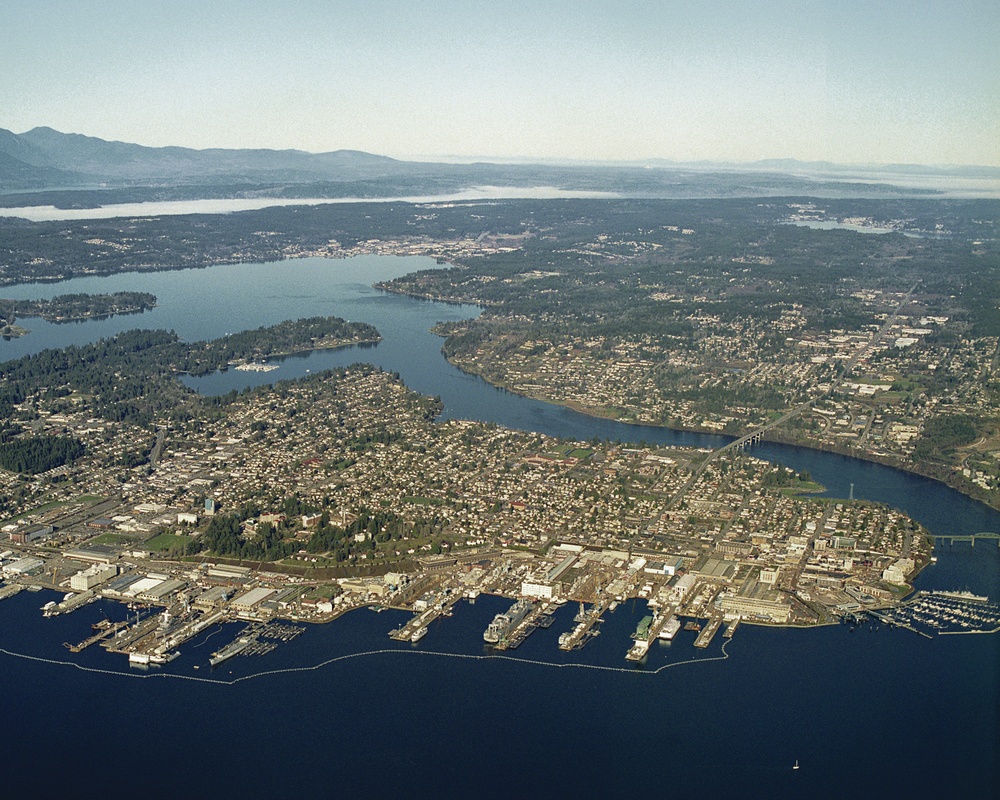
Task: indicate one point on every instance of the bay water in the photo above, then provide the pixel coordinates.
(344, 710)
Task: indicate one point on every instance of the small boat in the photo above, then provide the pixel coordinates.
(796, 764)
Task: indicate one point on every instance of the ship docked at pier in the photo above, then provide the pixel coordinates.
(669, 629)
(504, 624)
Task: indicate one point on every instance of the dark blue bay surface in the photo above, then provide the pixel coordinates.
(344, 710)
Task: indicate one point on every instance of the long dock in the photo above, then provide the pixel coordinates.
(576, 637)
(660, 618)
(523, 630)
(898, 623)
(423, 619)
(105, 631)
(129, 636)
(72, 604)
(10, 590)
(708, 632)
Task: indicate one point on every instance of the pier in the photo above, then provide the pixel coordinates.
(248, 643)
(129, 636)
(412, 628)
(524, 629)
(661, 618)
(708, 632)
(71, 604)
(582, 632)
(10, 590)
(104, 630)
(898, 623)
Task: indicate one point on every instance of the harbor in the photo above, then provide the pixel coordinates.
(257, 639)
(446, 678)
(435, 605)
(585, 629)
(945, 613)
(708, 632)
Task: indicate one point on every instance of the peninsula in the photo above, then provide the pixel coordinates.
(306, 499)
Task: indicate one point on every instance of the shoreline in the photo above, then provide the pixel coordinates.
(315, 347)
(770, 436)
(13, 332)
(57, 320)
(244, 362)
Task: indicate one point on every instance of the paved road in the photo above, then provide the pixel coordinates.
(757, 433)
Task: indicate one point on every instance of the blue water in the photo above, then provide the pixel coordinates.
(869, 713)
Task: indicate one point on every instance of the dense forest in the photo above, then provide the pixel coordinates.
(942, 434)
(39, 453)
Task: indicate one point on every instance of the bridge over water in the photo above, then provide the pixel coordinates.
(757, 434)
(970, 537)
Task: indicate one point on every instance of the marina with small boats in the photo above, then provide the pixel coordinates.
(944, 613)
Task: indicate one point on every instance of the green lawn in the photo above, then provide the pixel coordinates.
(165, 541)
(113, 539)
(803, 487)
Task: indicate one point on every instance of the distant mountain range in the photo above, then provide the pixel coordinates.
(44, 156)
(45, 161)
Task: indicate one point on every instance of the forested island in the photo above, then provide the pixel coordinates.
(71, 308)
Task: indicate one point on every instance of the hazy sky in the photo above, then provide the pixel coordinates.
(844, 80)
